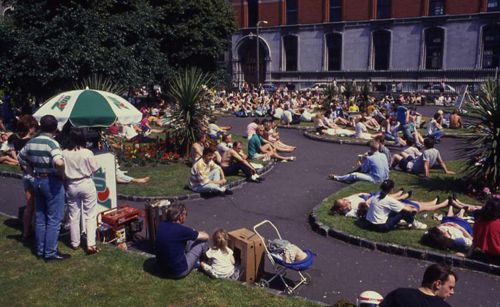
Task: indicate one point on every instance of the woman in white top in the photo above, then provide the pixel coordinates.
(221, 260)
(385, 212)
(81, 193)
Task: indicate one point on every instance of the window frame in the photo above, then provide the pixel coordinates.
(493, 46)
(334, 36)
(255, 3)
(289, 12)
(335, 7)
(285, 58)
(374, 49)
(433, 6)
(493, 9)
(387, 6)
(429, 47)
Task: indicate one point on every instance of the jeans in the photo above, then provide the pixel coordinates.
(393, 220)
(406, 132)
(193, 252)
(211, 187)
(437, 135)
(352, 177)
(49, 206)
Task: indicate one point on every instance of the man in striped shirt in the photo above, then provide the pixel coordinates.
(42, 157)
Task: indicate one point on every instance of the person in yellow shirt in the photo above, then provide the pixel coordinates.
(353, 108)
(206, 176)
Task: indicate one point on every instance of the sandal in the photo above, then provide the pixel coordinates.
(93, 250)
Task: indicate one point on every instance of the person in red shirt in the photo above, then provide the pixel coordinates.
(487, 229)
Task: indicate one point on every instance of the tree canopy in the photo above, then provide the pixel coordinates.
(49, 45)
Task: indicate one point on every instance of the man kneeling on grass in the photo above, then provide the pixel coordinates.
(178, 247)
(206, 176)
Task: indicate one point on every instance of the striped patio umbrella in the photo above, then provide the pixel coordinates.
(89, 108)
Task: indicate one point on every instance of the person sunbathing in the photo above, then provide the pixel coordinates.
(356, 205)
(454, 232)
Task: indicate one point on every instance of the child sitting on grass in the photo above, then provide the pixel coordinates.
(221, 260)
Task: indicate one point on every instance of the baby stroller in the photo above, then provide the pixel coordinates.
(280, 266)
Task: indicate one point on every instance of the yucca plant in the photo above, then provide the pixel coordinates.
(100, 83)
(350, 90)
(192, 105)
(330, 93)
(484, 151)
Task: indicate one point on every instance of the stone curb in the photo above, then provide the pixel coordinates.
(294, 127)
(399, 250)
(233, 185)
(309, 133)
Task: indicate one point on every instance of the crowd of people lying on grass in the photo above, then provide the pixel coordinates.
(214, 155)
(386, 210)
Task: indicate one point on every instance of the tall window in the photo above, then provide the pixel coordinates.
(381, 49)
(335, 10)
(292, 12)
(434, 42)
(333, 51)
(253, 12)
(383, 9)
(491, 46)
(290, 46)
(493, 5)
(436, 7)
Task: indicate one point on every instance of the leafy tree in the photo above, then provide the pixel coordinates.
(50, 45)
(195, 32)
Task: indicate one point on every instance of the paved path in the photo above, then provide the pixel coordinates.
(286, 197)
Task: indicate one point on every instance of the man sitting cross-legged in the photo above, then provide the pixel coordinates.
(260, 149)
(206, 176)
(234, 160)
(178, 247)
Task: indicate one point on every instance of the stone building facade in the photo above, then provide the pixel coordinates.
(419, 41)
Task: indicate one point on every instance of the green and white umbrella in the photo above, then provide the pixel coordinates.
(89, 108)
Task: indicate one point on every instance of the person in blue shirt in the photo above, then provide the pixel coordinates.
(374, 167)
(178, 247)
(403, 117)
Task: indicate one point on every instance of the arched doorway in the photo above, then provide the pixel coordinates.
(248, 60)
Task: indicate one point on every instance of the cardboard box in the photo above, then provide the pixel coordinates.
(249, 249)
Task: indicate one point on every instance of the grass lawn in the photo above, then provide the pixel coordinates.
(166, 179)
(423, 190)
(111, 278)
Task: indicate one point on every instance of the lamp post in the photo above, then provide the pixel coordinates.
(257, 44)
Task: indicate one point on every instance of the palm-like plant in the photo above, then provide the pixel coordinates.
(484, 152)
(192, 105)
(98, 82)
(330, 93)
(350, 90)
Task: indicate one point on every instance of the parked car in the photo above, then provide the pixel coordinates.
(435, 88)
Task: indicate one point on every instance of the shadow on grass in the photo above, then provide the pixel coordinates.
(18, 225)
(446, 184)
(151, 266)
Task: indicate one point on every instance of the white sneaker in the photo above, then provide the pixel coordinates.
(418, 225)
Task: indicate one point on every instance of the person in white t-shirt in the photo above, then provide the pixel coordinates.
(221, 260)
(81, 194)
(385, 212)
(356, 205)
